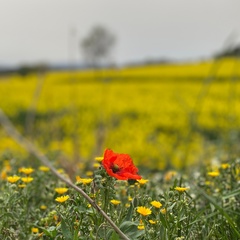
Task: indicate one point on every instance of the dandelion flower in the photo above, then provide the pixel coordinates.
(89, 173)
(3, 175)
(13, 179)
(115, 202)
(84, 180)
(213, 174)
(44, 168)
(144, 211)
(156, 204)
(43, 207)
(27, 179)
(61, 190)
(152, 221)
(208, 183)
(181, 189)
(62, 199)
(26, 171)
(141, 227)
(35, 230)
(163, 211)
(99, 159)
(142, 181)
(225, 165)
(169, 175)
(60, 170)
(96, 165)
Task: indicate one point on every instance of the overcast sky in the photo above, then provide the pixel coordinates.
(34, 31)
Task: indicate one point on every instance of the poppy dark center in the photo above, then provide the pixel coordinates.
(115, 168)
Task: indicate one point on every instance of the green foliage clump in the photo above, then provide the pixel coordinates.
(203, 204)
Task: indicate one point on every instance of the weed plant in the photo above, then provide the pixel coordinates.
(204, 204)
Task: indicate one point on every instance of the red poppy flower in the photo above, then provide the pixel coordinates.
(119, 165)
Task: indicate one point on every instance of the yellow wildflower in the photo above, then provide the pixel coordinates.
(156, 204)
(13, 179)
(144, 211)
(96, 165)
(181, 189)
(22, 185)
(44, 168)
(152, 222)
(78, 178)
(43, 207)
(169, 175)
(163, 210)
(60, 170)
(213, 174)
(35, 230)
(26, 179)
(3, 175)
(225, 165)
(208, 183)
(237, 172)
(83, 180)
(140, 227)
(5, 169)
(55, 217)
(142, 181)
(61, 190)
(99, 159)
(115, 202)
(26, 171)
(62, 198)
(89, 173)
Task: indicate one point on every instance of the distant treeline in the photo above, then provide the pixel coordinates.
(24, 69)
(230, 52)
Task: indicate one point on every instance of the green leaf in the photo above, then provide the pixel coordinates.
(129, 213)
(50, 232)
(221, 210)
(232, 194)
(114, 236)
(75, 235)
(135, 202)
(65, 230)
(163, 220)
(130, 229)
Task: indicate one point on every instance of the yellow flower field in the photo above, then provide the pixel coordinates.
(163, 115)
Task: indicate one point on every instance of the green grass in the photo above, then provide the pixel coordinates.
(208, 209)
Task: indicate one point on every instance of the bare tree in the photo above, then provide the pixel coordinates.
(96, 47)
